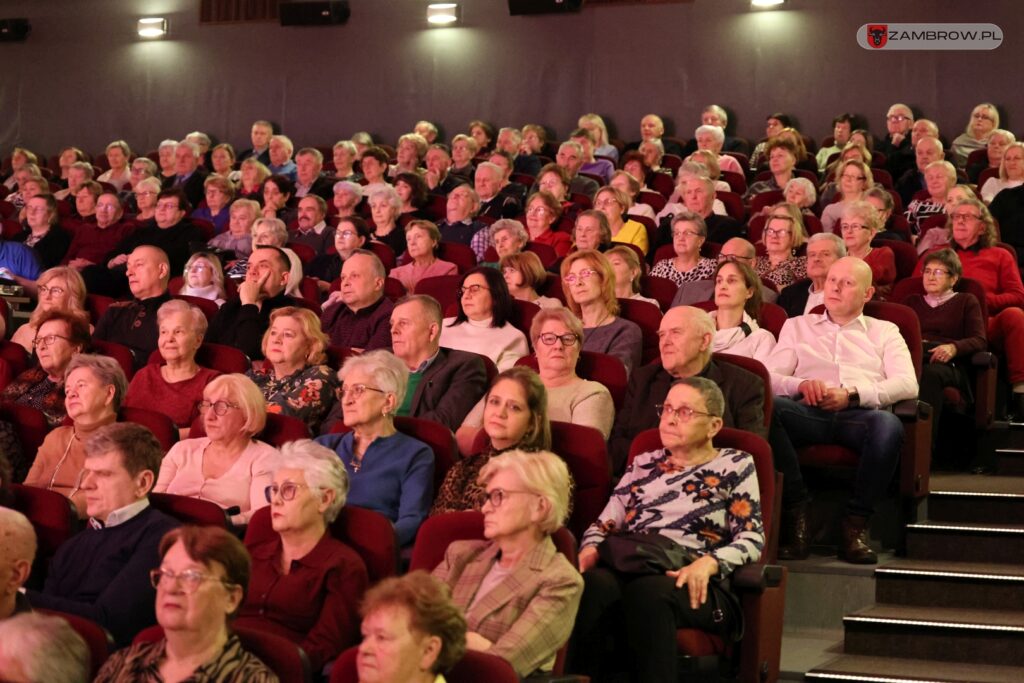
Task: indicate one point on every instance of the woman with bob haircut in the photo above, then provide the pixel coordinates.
(200, 584)
(60, 288)
(689, 232)
(592, 231)
(543, 210)
(629, 270)
(118, 155)
(253, 173)
(614, 203)
(219, 192)
(391, 473)
(782, 235)
(422, 238)
(508, 237)
(523, 273)
(306, 584)
(413, 632)
(595, 124)
(519, 594)
(292, 375)
(385, 208)
(483, 323)
(984, 119)
(238, 237)
(228, 466)
(859, 224)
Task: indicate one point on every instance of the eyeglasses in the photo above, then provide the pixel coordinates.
(607, 201)
(286, 490)
(897, 118)
(777, 232)
(497, 496)
(584, 274)
(472, 290)
(536, 210)
(220, 408)
(549, 338)
(981, 117)
(144, 194)
(964, 217)
(937, 272)
(189, 580)
(357, 390)
(847, 176)
(198, 267)
(688, 234)
(850, 227)
(684, 413)
(734, 257)
(48, 340)
(44, 290)
(346, 234)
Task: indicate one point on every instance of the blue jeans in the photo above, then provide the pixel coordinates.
(875, 435)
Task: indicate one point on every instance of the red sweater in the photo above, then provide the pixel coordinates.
(997, 272)
(178, 400)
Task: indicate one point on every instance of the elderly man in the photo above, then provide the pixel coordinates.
(312, 230)
(42, 647)
(309, 161)
(510, 141)
(281, 150)
(503, 160)
(357, 315)
(570, 157)
(102, 573)
(699, 197)
(17, 553)
(93, 241)
(242, 320)
(133, 323)
(79, 173)
(714, 115)
(842, 128)
(712, 139)
(684, 340)
(189, 174)
(259, 135)
(460, 224)
(897, 145)
(927, 150)
(834, 374)
(653, 128)
(803, 296)
(439, 163)
(495, 202)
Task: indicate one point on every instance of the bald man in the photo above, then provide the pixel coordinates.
(653, 128)
(17, 552)
(834, 374)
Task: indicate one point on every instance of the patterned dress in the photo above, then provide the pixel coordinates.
(140, 663)
(666, 268)
(784, 274)
(307, 394)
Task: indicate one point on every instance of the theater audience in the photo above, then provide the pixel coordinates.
(984, 120)
(395, 471)
(523, 274)
(422, 239)
(311, 229)
(219, 192)
(253, 174)
(623, 181)
(592, 231)
(774, 124)
(509, 237)
(689, 233)
(200, 583)
(629, 271)
(497, 199)
(189, 174)
(1011, 173)
(737, 308)
(259, 135)
(595, 124)
(277, 192)
(102, 572)
(939, 179)
(351, 234)
(385, 208)
(459, 225)
(483, 323)
(782, 157)
(801, 191)
(17, 553)
(413, 191)
(854, 178)
(859, 225)
(348, 195)
(782, 236)
(357, 314)
(91, 242)
(802, 296)
(41, 647)
(998, 140)
(927, 151)
(204, 278)
(58, 289)
(48, 241)
(281, 151)
(144, 198)
(543, 210)
(698, 196)
(614, 203)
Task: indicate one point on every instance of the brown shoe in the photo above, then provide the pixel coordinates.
(795, 544)
(853, 547)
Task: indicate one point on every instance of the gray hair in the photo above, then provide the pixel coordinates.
(572, 144)
(147, 163)
(693, 168)
(322, 468)
(498, 172)
(510, 225)
(174, 306)
(835, 239)
(199, 138)
(191, 146)
(714, 401)
(719, 112)
(354, 189)
(275, 226)
(107, 371)
(317, 155)
(387, 370)
(83, 166)
(561, 314)
(808, 187)
(362, 138)
(691, 217)
(168, 143)
(121, 145)
(542, 473)
(286, 141)
(46, 646)
(389, 195)
(347, 145)
(150, 183)
(866, 212)
(515, 132)
(715, 131)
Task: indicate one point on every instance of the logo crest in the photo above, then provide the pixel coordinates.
(878, 35)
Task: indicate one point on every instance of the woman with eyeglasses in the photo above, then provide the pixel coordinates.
(483, 323)
(614, 204)
(688, 234)
(204, 277)
(718, 522)
(200, 584)
(305, 584)
(59, 289)
(738, 306)
(589, 283)
(542, 212)
(984, 119)
(938, 236)
(228, 466)
(525, 500)
(145, 193)
(351, 234)
(854, 178)
(292, 375)
(94, 387)
(391, 473)
(782, 235)
(859, 224)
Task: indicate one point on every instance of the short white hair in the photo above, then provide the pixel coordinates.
(47, 648)
(388, 371)
(322, 469)
(714, 131)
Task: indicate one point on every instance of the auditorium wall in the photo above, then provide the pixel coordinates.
(83, 77)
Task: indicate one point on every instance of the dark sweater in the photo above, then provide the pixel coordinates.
(242, 325)
(957, 321)
(103, 575)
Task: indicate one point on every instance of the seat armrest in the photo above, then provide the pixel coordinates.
(755, 578)
(911, 409)
(984, 359)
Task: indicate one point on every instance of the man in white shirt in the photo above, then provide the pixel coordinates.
(834, 374)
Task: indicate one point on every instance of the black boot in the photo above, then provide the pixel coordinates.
(853, 546)
(794, 543)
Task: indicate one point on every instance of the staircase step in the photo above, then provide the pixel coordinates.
(951, 584)
(976, 498)
(936, 633)
(865, 669)
(1010, 462)
(945, 541)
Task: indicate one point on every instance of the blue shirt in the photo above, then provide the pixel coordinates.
(288, 170)
(395, 478)
(19, 259)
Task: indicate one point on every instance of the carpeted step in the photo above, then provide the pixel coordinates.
(1010, 462)
(972, 498)
(942, 541)
(937, 634)
(951, 584)
(867, 669)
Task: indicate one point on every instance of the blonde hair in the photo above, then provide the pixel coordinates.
(542, 473)
(247, 395)
(597, 261)
(76, 288)
(311, 330)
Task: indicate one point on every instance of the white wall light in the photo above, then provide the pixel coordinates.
(443, 13)
(152, 27)
(761, 4)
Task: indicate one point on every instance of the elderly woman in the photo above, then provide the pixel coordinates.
(94, 387)
(200, 584)
(483, 323)
(59, 289)
(175, 386)
(589, 283)
(412, 631)
(228, 466)
(782, 158)
(783, 234)
(523, 273)
(738, 306)
(48, 241)
(391, 473)
(85, 199)
(385, 208)
(622, 180)
(292, 376)
(860, 223)
(238, 237)
(306, 584)
(595, 124)
(801, 191)
(118, 154)
(633, 163)
(542, 212)
(253, 174)
(351, 234)
(688, 234)
(628, 272)
(347, 197)
(653, 152)
(939, 179)
(938, 235)
(614, 203)
(525, 500)
(409, 153)
(464, 148)
(508, 236)
(555, 180)
(412, 190)
(145, 193)
(166, 161)
(591, 231)
(973, 234)
(204, 277)
(721, 528)
(984, 120)
(1011, 172)
(998, 141)
(422, 239)
(952, 327)
(344, 155)
(278, 191)
(855, 180)
(374, 165)
(219, 192)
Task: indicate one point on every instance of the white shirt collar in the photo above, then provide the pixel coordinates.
(122, 515)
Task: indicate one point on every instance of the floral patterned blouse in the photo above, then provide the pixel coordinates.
(666, 268)
(34, 388)
(307, 394)
(713, 508)
(784, 274)
(140, 663)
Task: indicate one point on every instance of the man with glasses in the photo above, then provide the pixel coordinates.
(358, 315)
(102, 573)
(897, 147)
(684, 342)
(803, 296)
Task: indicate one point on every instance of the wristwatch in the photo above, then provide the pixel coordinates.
(853, 396)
